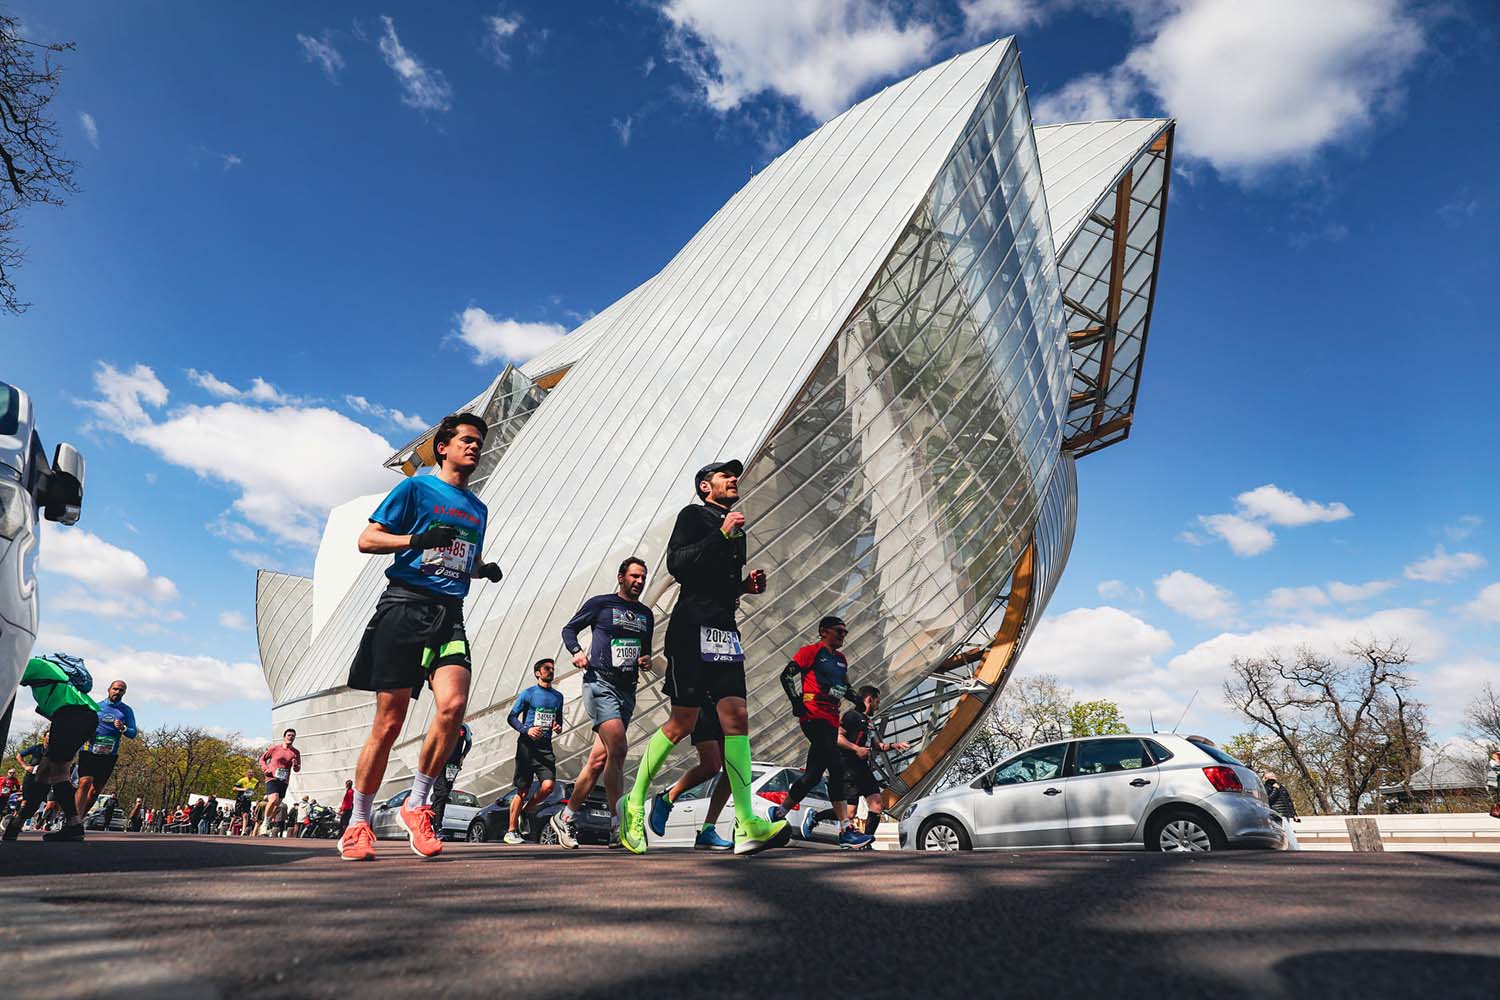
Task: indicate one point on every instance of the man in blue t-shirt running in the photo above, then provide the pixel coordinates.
(535, 716)
(434, 528)
(620, 630)
(97, 759)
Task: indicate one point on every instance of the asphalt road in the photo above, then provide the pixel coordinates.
(144, 916)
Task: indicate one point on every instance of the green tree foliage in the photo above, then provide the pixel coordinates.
(1032, 710)
(1099, 717)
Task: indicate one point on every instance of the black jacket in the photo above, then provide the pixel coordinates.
(1280, 800)
(707, 566)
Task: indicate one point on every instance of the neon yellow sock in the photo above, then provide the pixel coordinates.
(658, 748)
(737, 766)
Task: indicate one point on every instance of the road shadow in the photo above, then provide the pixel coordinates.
(148, 853)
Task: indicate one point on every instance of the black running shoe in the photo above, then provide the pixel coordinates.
(73, 831)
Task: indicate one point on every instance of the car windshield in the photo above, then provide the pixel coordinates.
(1216, 753)
(462, 799)
(1041, 764)
(10, 409)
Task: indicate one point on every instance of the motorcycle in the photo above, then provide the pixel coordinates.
(323, 823)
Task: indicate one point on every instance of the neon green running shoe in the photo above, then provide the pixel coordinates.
(760, 835)
(632, 825)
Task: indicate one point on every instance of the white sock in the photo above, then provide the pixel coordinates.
(567, 814)
(421, 790)
(363, 803)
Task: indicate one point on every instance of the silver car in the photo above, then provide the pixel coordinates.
(462, 807)
(769, 784)
(1159, 792)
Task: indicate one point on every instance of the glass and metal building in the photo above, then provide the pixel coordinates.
(909, 326)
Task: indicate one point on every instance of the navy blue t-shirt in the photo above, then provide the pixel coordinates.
(620, 634)
(418, 503)
(536, 706)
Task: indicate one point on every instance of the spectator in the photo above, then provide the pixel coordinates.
(346, 808)
(1280, 801)
(136, 817)
(195, 816)
(1492, 783)
(210, 816)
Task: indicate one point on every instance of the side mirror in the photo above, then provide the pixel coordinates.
(63, 497)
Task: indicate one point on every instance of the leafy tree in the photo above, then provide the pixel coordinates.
(1099, 717)
(1032, 710)
(33, 170)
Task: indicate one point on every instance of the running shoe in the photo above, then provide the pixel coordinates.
(566, 835)
(852, 840)
(12, 829)
(777, 813)
(809, 820)
(709, 840)
(418, 824)
(760, 835)
(71, 832)
(632, 825)
(357, 843)
(512, 838)
(660, 810)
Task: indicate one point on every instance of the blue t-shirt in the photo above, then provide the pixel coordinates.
(537, 706)
(107, 738)
(418, 503)
(32, 755)
(619, 635)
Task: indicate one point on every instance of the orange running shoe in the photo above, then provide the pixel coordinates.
(357, 843)
(418, 823)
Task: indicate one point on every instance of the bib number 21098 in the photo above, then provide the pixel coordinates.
(720, 645)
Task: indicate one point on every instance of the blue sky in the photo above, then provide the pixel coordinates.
(305, 233)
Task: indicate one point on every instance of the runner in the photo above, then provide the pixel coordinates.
(705, 660)
(708, 740)
(535, 716)
(444, 783)
(620, 631)
(860, 731)
(825, 680)
(244, 797)
(434, 529)
(60, 683)
(96, 761)
(277, 764)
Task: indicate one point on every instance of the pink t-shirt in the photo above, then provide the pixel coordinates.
(280, 761)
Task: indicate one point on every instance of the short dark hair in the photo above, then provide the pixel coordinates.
(633, 561)
(449, 425)
(288, 729)
(868, 691)
(539, 664)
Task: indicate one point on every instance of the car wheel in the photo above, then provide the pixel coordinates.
(1182, 832)
(548, 835)
(477, 832)
(943, 834)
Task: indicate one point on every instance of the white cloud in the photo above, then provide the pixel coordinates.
(498, 30)
(496, 339)
(233, 620)
(254, 559)
(232, 160)
(1444, 566)
(1295, 600)
(163, 677)
(1463, 527)
(649, 66)
(84, 556)
(1247, 530)
(1195, 597)
(1353, 593)
(322, 52)
(1287, 509)
(622, 128)
(1119, 590)
(265, 452)
(260, 390)
(1108, 653)
(1245, 537)
(90, 128)
(396, 418)
(1001, 15)
(422, 87)
(1449, 687)
(1254, 85)
(1486, 605)
(1455, 213)
(820, 54)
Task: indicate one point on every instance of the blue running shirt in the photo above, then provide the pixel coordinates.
(536, 706)
(418, 503)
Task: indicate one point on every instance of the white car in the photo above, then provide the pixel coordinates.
(27, 483)
(462, 807)
(769, 784)
(1156, 791)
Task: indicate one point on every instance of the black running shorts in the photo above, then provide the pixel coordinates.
(533, 761)
(98, 766)
(708, 728)
(410, 636)
(72, 727)
(275, 786)
(693, 682)
(859, 781)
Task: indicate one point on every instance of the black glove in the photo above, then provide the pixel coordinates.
(439, 536)
(488, 571)
(791, 683)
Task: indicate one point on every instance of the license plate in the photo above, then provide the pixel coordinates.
(599, 813)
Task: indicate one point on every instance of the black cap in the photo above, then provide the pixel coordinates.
(733, 466)
(829, 621)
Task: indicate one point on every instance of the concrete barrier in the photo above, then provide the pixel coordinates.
(1432, 832)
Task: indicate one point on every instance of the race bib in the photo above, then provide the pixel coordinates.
(283, 773)
(102, 746)
(452, 773)
(624, 654)
(720, 645)
(544, 719)
(453, 561)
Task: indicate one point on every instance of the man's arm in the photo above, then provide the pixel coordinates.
(582, 618)
(297, 760)
(691, 544)
(130, 730)
(517, 712)
(377, 540)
